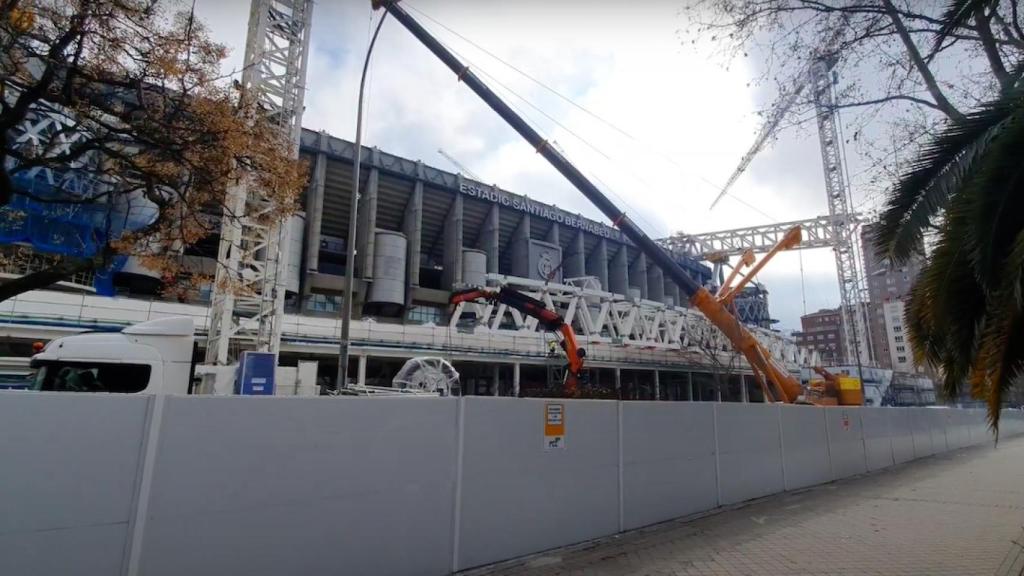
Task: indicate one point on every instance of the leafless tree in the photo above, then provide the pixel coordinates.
(896, 81)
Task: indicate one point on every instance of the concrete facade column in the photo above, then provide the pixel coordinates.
(618, 382)
(672, 291)
(553, 235)
(519, 248)
(315, 205)
(657, 386)
(365, 231)
(496, 380)
(655, 284)
(490, 239)
(689, 386)
(452, 259)
(638, 274)
(361, 371)
(744, 395)
(412, 227)
(575, 258)
(618, 272)
(515, 379)
(597, 263)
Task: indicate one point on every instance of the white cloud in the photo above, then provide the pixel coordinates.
(623, 61)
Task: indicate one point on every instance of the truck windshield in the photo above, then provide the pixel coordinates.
(59, 376)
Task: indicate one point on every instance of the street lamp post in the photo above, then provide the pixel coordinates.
(350, 258)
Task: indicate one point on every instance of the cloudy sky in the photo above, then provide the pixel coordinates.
(682, 116)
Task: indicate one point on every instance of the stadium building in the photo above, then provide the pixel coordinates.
(423, 232)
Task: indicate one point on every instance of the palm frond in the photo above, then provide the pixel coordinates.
(995, 193)
(938, 172)
(1000, 359)
(958, 13)
(947, 303)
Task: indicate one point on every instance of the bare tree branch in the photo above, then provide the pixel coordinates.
(988, 43)
(63, 269)
(922, 67)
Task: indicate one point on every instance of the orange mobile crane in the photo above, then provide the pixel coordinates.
(548, 319)
(779, 385)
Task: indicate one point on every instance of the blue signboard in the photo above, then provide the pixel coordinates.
(256, 374)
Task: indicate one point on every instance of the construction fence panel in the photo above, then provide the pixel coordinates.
(981, 434)
(845, 441)
(749, 451)
(407, 485)
(1014, 420)
(975, 431)
(878, 437)
(70, 468)
(668, 457)
(520, 495)
(922, 432)
(951, 427)
(805, 446)
(269, 486)
(936, 418)
(967, 420)
(956, 429)
(901, 427)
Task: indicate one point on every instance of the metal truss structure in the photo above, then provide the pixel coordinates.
(838, 230)
(613, 319)
(844, 224)
(818, 232)
(752, 307)
(249, 290)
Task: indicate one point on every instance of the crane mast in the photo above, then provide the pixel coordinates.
(844, 223)
(249, 288)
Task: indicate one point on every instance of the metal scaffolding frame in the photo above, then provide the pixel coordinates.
(817, 232)
(249, 289)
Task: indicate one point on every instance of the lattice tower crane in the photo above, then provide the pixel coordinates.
(844, 223)
(458, 165)
(249, 289)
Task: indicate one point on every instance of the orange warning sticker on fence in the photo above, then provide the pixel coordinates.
(554, 425)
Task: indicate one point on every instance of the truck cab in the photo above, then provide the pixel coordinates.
(154, 357)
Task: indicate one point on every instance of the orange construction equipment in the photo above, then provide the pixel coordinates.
(548, 319)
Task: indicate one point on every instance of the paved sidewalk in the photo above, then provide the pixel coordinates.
(958, 513)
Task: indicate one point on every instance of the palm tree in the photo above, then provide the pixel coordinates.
(965, 192)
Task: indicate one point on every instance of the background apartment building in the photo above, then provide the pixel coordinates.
(823, 331)
(888, 289)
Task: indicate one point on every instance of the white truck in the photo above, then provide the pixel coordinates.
(160, 357)
(156, 357)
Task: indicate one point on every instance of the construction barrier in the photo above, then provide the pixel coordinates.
(101, 485)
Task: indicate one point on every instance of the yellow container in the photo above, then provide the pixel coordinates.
(851, 392)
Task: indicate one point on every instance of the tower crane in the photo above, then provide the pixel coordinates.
(249, 288)
(818, 80)
(458, 165)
